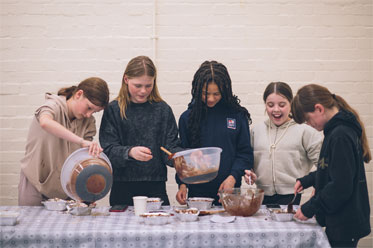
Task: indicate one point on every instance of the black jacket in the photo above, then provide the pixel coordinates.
(148, 124)
(341, 201)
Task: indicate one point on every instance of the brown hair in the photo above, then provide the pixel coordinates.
(137, 67)
(94, 89)
(280, 88)
(309, 95)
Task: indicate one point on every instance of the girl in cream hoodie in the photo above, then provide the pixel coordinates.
(283, 149)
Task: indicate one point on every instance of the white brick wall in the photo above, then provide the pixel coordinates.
(48, 44)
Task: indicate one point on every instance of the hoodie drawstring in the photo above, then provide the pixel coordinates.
(273, 145)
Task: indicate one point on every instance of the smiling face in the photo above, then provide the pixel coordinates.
(213, 95)
(139, 88)
(278, 108)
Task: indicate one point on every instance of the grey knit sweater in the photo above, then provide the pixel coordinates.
(150, 124)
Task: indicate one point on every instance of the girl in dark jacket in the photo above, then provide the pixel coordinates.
(341, 201)
(216, 118)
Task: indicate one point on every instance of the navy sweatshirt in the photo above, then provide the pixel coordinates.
(229, 130)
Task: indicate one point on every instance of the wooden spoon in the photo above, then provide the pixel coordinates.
(170, 154)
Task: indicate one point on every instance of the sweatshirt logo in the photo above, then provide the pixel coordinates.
(231, 123)
(322, 163)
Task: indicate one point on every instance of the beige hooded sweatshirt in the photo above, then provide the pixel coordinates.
(46, 153)
(283, 154)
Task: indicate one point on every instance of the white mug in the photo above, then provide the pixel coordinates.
(140, 204)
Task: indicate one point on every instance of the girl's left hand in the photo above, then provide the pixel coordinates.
(94, 147)
(299, 215)
(228, 183)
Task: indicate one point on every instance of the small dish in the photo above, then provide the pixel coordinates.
(154, 203)
(79, 209)
(201, 203)
(55, 204)
(187, 215)
(309, 221)
(281, 215)
(155, 218)
(8, 218)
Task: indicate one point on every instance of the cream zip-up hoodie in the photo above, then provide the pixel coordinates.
(45, 153)
(283, 154)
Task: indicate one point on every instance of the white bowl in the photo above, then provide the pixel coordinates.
(154, 203)
(8, 218)
(201, 203)
(55, 204)
(94, 175)
(156, 218)
(187, 215)
(281, 215)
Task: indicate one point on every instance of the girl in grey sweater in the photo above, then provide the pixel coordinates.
(133, 128)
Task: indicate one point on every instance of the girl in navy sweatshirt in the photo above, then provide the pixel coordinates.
(215, 118)
(341, 201)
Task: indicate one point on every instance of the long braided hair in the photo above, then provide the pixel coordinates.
(210, 72)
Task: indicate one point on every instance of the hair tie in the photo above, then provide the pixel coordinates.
(333, 95)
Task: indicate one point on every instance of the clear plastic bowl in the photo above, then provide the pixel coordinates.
(197, 165)
(241, 202)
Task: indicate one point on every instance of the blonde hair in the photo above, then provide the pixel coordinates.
(309, 95)
(137, 67)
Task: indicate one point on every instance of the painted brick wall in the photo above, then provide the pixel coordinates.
(49, 44)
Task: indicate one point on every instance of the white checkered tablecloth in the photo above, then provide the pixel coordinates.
(37, 227)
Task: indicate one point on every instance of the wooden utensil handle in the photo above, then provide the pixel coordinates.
(166, 151)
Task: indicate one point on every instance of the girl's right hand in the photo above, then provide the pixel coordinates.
(250, 176)
(298, 187)
(181, 195)
(140, 153)
(94, 147)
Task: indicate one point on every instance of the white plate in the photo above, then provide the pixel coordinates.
(217, 218)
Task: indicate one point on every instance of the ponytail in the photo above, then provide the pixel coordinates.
(68, 92)
(342, 104)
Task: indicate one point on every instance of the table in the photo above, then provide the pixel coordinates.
(38, 227)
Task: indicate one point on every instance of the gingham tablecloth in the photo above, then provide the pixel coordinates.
(37, 227)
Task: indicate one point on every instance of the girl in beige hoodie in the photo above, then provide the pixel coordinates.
(60, 126)
(283, 149)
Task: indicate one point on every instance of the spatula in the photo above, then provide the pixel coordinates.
(290, 205)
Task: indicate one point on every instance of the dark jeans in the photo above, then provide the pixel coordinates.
(122, 192)
(335, 243)
(281, 199)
